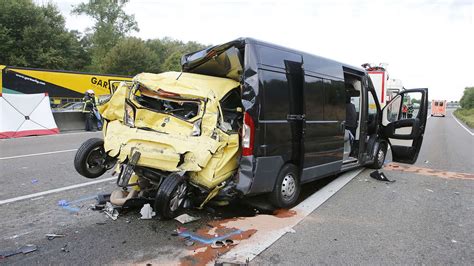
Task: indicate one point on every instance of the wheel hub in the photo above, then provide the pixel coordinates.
(380, 156)
(288, 186)
(178, 197)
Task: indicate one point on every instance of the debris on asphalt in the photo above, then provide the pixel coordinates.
(147, 212)
(218, 244)
(25, 250)
(65, 249)
(110, 211)
(188, 243)
(427, 161)
(178, 231)
(186, 218)
(429, 190)
(102, 199)
(53, 236)
(96, 207)
(101, 223)
(453, 241)
(380, 176)
(457, 193)
(224, 243)
(230, 242)
(63, 203)
(34, 181)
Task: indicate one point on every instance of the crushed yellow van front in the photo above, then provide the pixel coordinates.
(175, 121)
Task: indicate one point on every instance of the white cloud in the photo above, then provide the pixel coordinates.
(426, 43)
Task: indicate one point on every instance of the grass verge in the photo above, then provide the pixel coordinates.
(465, 115)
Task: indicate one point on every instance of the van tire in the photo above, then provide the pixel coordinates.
(90, 158)
(288, 177)
(380, 155)
(165, 194)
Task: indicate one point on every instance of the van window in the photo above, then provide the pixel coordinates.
(372, 105)
(273, 57)
(440, 103)
(393, 109)
(334, 100)
(313, 96)
(275, 104)
(436, 103)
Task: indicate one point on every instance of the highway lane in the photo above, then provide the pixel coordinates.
(447, 145)
(419, 219)
(28, 174)
(366, 217)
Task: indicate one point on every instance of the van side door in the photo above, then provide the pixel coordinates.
(404, 123)
(324, 101)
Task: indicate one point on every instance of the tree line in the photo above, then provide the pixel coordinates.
(36, 36)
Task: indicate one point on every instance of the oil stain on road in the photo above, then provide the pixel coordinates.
(428, 171)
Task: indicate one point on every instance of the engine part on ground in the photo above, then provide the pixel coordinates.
(119, 196)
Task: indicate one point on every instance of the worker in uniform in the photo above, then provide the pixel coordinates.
(88, 110)
(410, 110)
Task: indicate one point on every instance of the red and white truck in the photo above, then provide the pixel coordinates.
(385, 87)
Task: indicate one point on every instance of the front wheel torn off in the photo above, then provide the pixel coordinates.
(90, 158)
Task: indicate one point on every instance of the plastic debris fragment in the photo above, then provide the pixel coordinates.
(147, 212)
(380, 176)
(110, 211)
(186, 218)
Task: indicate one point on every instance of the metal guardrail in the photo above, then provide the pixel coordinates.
(69, 120)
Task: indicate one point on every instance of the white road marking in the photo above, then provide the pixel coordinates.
(34, 195)
(266, 235)
(36, 154)
(468, 131)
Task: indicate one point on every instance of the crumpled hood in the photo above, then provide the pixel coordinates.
(187, 84)
(159, 150)
(209, 160)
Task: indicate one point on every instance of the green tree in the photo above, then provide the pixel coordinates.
(467, 100)
(35, 36)
(169, 52)
(111, 24)
(129, 57)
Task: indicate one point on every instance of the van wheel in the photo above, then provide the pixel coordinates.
(90, 158)
(170, 196)
(287, 187)
(379, 157)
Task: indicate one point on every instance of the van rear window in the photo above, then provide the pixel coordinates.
(184, 109)
(436, 103)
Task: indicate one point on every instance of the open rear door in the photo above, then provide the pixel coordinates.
(404, 122)
(223, 60)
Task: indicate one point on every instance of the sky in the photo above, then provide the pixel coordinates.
(426, 44)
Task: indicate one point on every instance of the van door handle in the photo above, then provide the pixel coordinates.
(343, 126)
(295, 117)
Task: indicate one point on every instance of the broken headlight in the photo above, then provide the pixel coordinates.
(129, 118)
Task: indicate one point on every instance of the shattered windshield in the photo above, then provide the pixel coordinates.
(166, 102)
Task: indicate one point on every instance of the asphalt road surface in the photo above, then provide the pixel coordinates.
(425, 217)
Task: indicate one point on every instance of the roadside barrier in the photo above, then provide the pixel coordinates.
(69, 121)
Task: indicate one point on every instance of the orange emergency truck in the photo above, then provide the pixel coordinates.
(438, 108)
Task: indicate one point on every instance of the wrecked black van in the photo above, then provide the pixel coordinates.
(246, 118)
(295, 106)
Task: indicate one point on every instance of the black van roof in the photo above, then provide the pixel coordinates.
(268, 44)
(311, 61)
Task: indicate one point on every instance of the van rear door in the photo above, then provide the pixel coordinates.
(404, 122)
(223, 61)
